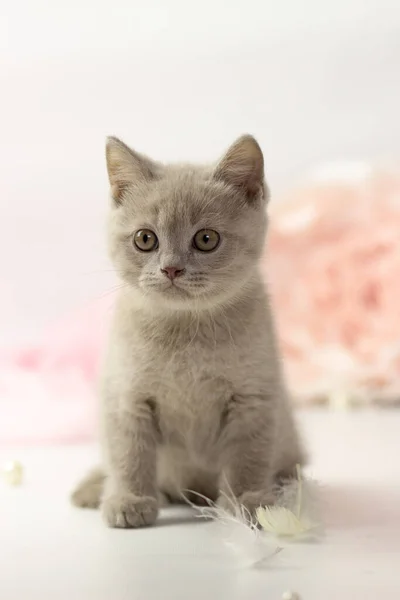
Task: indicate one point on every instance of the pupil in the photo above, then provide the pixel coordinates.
(145, 238)
(206, 239)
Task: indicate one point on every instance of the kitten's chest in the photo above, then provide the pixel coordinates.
(191, 387)
(187, 361)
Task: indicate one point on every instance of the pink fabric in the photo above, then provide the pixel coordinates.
(47, 393)
(334, 268)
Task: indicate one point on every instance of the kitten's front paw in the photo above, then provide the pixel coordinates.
(127, 510)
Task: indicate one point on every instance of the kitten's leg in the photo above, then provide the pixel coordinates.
(248, 446)
(89, 491)
(130, 496)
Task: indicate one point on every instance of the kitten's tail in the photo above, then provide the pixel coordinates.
(90, 490)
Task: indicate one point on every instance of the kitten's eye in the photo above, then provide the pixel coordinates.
(145, 240)
(206, 240)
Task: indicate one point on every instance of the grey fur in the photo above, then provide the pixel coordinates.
(192, 391)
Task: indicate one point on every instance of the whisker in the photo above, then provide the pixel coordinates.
(116, 271)
(112, 290)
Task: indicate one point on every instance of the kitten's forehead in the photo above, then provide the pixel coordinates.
(188, 197)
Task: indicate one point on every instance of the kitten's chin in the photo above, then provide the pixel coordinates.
(171, 296)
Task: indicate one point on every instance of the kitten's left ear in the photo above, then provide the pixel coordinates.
(243, 167)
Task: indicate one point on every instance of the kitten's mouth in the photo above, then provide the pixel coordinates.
(173, 289)
(178, 289)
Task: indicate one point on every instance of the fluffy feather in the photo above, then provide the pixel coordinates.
(295, 513)
(239, 532)
(254, 541)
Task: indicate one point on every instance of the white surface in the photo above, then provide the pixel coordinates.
(315, 81)
(50, 550)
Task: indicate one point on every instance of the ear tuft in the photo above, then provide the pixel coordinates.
(243, 166)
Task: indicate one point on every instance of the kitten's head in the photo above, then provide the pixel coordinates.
(187, 236)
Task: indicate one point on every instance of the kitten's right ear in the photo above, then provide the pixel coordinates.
(126, 167)
(243, 167)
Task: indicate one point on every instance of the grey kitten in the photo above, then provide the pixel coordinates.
(192, 391)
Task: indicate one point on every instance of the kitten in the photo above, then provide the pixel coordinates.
(192, 390)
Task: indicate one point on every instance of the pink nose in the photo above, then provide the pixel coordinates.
(172, 272)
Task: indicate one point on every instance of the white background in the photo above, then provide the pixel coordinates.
(313, 80)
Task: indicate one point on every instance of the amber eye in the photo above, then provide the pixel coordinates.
(206, 240)
(145, 240)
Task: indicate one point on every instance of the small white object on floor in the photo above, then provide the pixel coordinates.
(13, 472)
(340, 400)
(290, 596)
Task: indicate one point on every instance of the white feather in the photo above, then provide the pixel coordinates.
(254, 540)
(282, 522)
(239, 532)
(294, 515)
